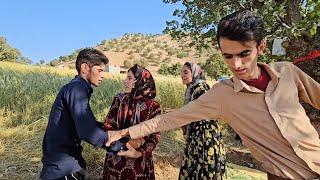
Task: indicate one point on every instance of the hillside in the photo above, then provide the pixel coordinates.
(148, 50)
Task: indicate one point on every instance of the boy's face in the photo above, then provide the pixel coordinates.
(241, 57)
(96, 74)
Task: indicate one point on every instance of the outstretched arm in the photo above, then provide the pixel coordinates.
(208, 106)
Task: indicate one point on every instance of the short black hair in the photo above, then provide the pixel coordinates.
(241, 26)
(92, 57)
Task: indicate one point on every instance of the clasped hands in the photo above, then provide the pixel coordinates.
(131, 145)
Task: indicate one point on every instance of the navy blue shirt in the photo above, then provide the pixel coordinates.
(71, 120)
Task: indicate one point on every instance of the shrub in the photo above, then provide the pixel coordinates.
(181, 55)
(170, 51)
(131, 57)
(130, 52)
(127, 64)
(167, 60)
(174, 70)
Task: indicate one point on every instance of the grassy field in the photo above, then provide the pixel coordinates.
(26, 96)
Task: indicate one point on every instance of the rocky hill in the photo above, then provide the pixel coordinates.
(148, 50)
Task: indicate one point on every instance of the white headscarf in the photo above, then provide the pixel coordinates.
(197, 78)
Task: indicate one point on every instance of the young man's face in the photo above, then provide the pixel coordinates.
(241, 57)
(96, 74)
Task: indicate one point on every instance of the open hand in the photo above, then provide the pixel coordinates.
(131, 152)
(135, 143)
(116, 135)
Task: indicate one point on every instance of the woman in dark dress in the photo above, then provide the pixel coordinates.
(135, 105)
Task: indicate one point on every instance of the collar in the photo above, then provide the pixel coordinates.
(239, 85)
(87, 84)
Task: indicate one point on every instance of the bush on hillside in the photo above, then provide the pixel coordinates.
(130, 52)
(174, 69)
(170, 51)
(141, 62)
(182, 54)
(167, 60)
(127, 64)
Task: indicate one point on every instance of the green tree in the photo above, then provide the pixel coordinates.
(294, 19)
(215, 68)
(8, 53)
(65, 58)
(164, 69)
(174, 70)
(54, 62)
(24, 60)
(103, 42)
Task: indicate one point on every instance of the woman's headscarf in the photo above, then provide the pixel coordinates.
(144, 86)
(197, 77)
(144, 89)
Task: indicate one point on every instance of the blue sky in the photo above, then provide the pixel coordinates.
(48, 29)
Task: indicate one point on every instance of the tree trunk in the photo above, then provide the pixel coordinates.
(293, 13)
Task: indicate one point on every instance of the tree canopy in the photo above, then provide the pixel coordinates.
(8, 53)
(290, 19)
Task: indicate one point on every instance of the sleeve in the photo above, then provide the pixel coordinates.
(110, 122)
(86, 125)
(308, 88)
(152, 140)
(207, 106)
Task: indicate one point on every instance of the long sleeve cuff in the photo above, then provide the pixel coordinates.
(100, 138)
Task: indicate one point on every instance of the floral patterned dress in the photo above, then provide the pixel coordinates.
(204, 156)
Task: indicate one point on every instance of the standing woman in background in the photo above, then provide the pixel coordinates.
(135, 105)
(204, 156)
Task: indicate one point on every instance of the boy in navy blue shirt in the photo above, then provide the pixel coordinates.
(71, 120)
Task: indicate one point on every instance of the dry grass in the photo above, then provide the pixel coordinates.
(26, 94)
(21, 156)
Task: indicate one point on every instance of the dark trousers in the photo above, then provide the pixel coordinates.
(80, 175)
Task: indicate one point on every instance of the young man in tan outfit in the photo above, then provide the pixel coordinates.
(260, 102)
